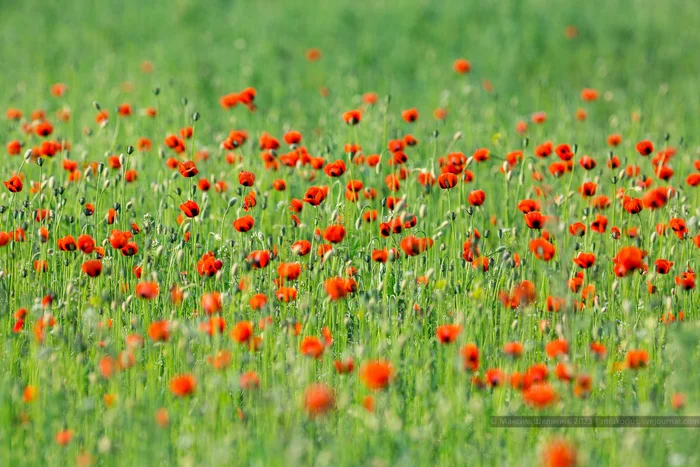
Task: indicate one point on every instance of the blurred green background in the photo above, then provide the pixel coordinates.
(206, 49)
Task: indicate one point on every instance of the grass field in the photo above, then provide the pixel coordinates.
(348, 233)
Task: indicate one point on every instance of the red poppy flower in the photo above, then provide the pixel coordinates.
(244, 224)
(376, 374)
(190, 208)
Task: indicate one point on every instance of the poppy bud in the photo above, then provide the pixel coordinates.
(184, 101)
(28, 154)
(526, 142)
(129, 150)
(156, 91)
(195, 116)
(40, 161)
(96, 105)
(436, 133)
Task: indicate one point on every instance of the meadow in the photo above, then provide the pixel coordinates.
(348, 233)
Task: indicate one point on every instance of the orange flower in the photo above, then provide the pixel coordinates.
(542, 249)
(318, 399)
(312, 347)
(598, 350)
(246, 178)
(414, 246)
(513, 349)
(559, 453)
(644, 148)
(159, 331)
(289, 271)
(376, 374)
(410, 115)
(495, 377)
(190, 208)
(447, 181)
(249, 380)
(337, 287)
(92, 268)
(187, 169)
(686, 280)
(448, 333)
(257, 302)
(334, 233)
(315, 195)
(242, 332)
(30, 393)
(183, 385)
(636, 359)
(344, 367)
(352, 117)
(584, 260)
(14, 184)
(162, 418)
(286, 294)
(244, 224)
(540, 395)
(462, 66)
(258, 259)
(628, 260)
(64, 437)
(211, 302)
(476, 197)
(335, 169)
(588, 94)
(147, 290)
(557, 348)
(470, 357)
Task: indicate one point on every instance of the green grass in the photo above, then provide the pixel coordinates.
(641, 55)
